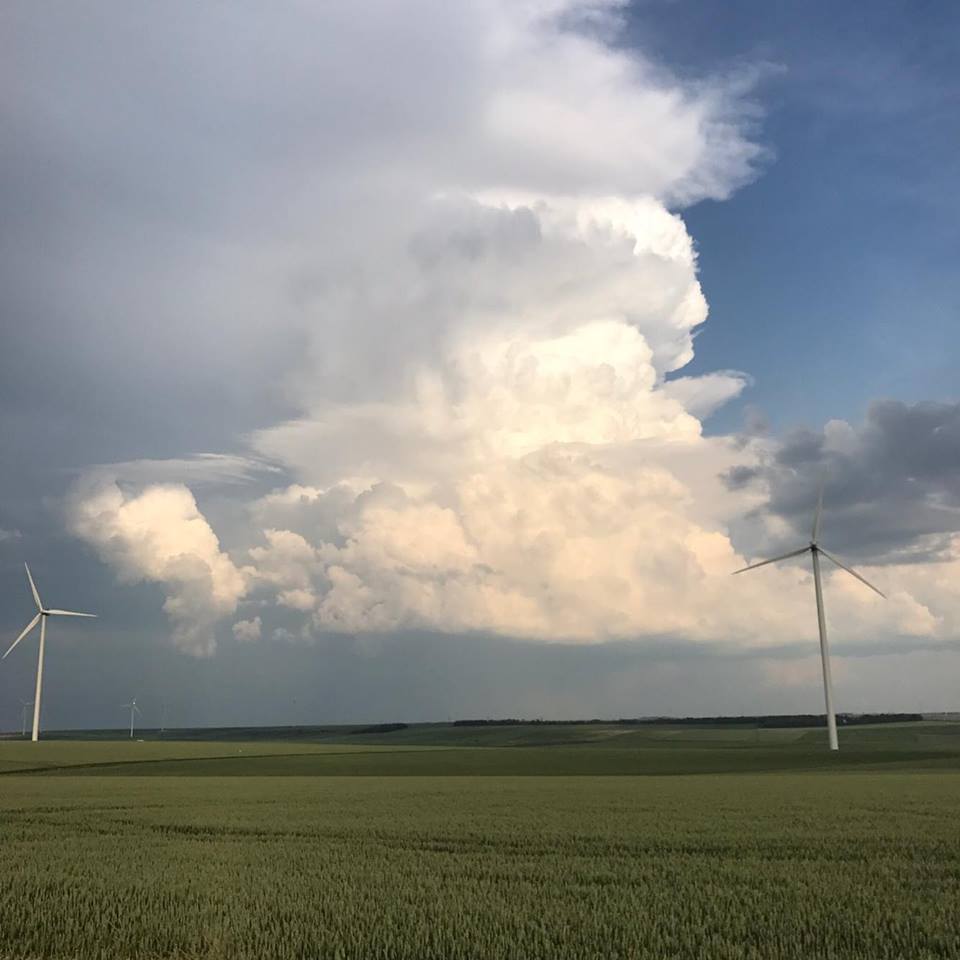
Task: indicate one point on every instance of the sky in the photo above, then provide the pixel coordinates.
(365, 364)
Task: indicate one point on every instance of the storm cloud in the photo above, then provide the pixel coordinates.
(372, 321)
(891, 483)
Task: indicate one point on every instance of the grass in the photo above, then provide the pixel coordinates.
(439, 750)
(335, 850)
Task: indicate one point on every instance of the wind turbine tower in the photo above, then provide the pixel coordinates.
(815, 550)
(41, 617)
(134, 709)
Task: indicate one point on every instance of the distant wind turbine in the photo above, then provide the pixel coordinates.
(23, 716)
(134, 709)
(41, 617)
(815, 550)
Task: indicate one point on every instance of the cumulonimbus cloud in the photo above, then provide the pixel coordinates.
(542, 476)
(474, 245)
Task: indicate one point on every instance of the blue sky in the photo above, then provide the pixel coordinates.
(832, 278)
(338, 346)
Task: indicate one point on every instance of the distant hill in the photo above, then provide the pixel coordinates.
(776, 721)
(479, 732)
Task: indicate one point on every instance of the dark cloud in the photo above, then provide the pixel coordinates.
(736, 478)
(891, 483)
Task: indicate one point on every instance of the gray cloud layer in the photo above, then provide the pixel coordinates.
(891, 483)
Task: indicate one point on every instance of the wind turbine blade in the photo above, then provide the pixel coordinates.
(71, 613)
(852, 572)
(33, 588)
(816, 517)
(763, 563)
(137, 711)
(26, 630)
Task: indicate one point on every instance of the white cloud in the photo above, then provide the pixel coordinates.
(491, 437)
(247, 631)
(297, 599)
(288, 562)
(550, 323)
(442, 238)
(586, 543)
(472, 247)
(159, 536)
(527, 478)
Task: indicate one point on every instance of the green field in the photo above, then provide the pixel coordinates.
(592, 842)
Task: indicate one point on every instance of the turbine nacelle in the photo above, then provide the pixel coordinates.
(42, 611)
(813, 548)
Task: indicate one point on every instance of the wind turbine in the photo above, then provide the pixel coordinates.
(23, 716)
(42, 618)
(134, 709)
(815, 550)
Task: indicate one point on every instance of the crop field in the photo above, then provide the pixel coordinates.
(618, 846)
